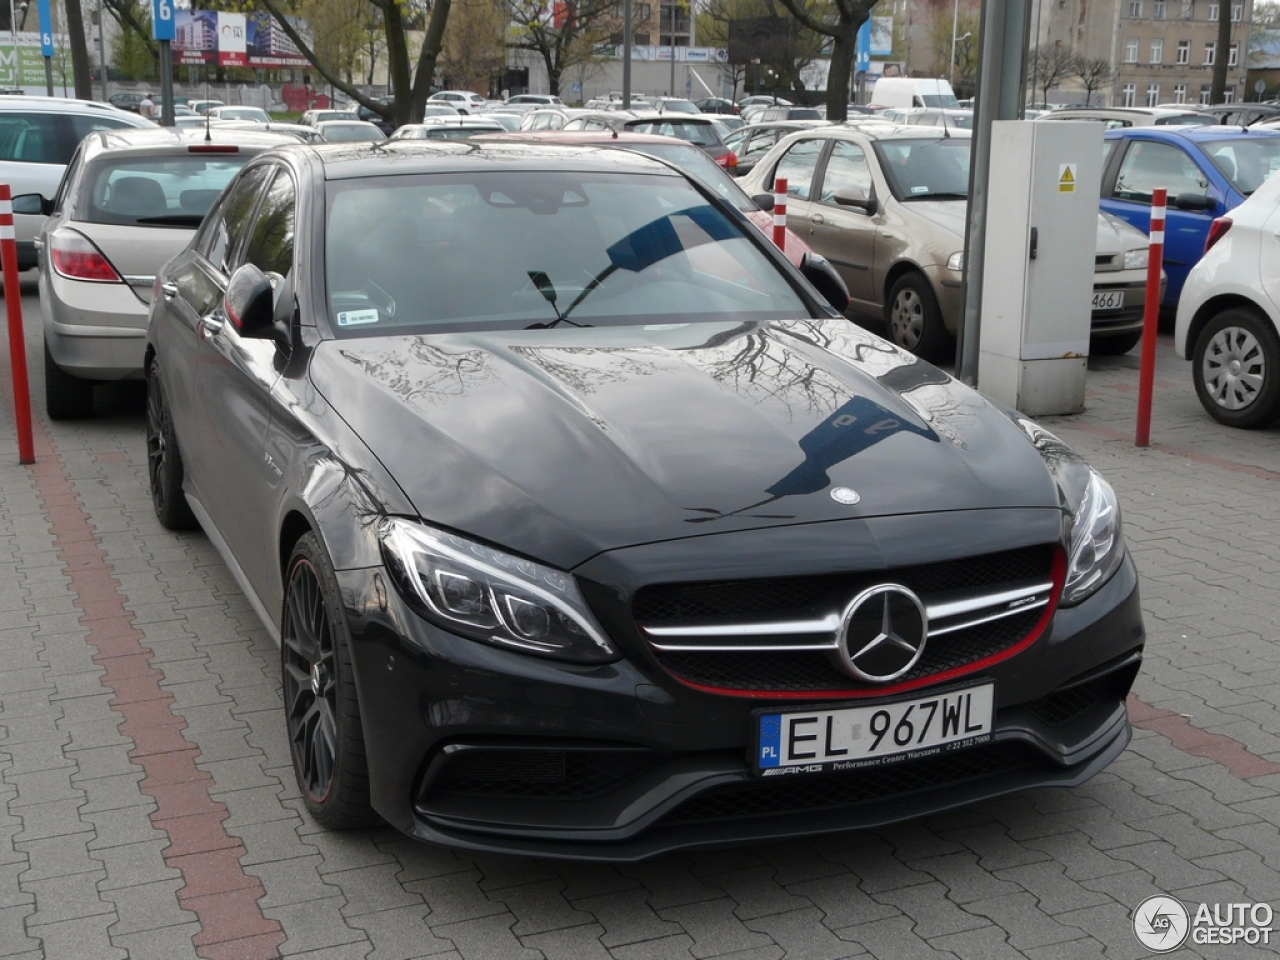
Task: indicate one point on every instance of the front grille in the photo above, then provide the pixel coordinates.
(540, 773)
(804, 793)
(783, 597)
(1063, 706)
(809, 606)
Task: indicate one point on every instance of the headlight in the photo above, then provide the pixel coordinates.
(1095, 546)
(956, 261)
(1136, 259)
(491, 596)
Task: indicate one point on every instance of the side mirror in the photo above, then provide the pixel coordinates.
(855, 197)
(1193, 201)
(825, 280)
(32, 204)
(763, 200)
(250, 305)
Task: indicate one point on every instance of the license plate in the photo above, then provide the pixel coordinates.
(849, 738)
(1110, 300)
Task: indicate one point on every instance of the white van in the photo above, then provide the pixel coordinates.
(912, 92)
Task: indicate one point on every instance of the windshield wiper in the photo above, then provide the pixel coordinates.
(173, 219)
(548, 291)
(937, 196)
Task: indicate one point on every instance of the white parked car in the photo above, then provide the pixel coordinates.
(1229, 314)
(464, 101)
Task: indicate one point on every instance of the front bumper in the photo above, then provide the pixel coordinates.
(622, 762)
(1131, 285)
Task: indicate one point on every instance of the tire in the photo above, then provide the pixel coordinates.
(915, 322)
(322, 712)
(1114, 346)
(1236, 369)
(164, 461)
(65, 397)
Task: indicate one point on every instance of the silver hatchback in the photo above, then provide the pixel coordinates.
(129, 202)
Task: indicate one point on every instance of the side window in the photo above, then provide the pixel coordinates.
(762, 143)
(1148, 165)
(67, 176)
(82, 126)
(798, 165)
(846, 169)
(31, 138)
(270, 246)
(226, 223)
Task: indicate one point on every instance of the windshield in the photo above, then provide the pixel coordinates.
(926, 169)
(348, 132)
(458, 133)
(689, 159)
(155, 191)
(938, 99)
(508, 251)
(1246, 162)
(1184, 120)
(703, 134)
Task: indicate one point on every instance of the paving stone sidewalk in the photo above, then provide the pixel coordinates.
(148, 810)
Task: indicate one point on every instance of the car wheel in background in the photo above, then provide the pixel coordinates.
(164, 463)
(321, 709)
(1236, 368)
(915, 322)
(1114, 346)
(65, 397)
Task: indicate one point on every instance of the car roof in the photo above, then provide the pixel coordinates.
(60, 105)
(161, 140)
(585, 137)
(353, 161)
(1193, 133)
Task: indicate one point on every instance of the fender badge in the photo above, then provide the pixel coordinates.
(845, 495)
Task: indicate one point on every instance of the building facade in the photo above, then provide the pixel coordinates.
(1161, 51)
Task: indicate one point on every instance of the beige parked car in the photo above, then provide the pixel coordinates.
(1118, 117)
(886, 205)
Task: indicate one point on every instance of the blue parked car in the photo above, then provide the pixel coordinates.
(1208, 170)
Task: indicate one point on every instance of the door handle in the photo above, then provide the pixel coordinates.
(210, 326)
(38, 243)
(170, 290)
(818, 219)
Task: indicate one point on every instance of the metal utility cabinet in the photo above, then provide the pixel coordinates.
(1041, 242)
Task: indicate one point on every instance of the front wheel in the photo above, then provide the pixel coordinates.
(322, 712)
(915, 320)
(1236, 369)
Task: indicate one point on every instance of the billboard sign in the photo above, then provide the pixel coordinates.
(881, 36)
(235, 40)
(23, 65)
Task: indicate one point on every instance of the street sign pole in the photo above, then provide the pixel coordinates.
(46, 43)
(162, 29)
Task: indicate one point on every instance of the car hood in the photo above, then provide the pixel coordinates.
(561, 444)
(1117, 236)
(948, 214)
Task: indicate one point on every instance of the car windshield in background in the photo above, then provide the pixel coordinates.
(155, 191)
(694, 162)
(337, 132)
(926, 169)
(938, 100)
(458, 133)
(1184, 120)
(703, 134)
(1245, 162)
(539, 249)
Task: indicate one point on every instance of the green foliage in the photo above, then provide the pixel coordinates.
(137, 58)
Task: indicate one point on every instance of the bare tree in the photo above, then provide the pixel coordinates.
(564, 33)
(1048, 66)
(839, 21)
(1221, 57)
(475, 46)
(1094, 73)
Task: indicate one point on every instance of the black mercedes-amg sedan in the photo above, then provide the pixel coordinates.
(588, 528)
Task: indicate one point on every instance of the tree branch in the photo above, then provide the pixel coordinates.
(806, 20)
(329, 75)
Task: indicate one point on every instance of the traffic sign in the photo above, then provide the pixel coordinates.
(1260, 87)
(577, 88)
(162, 27)
(46, 28)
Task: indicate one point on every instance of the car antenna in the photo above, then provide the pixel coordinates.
(946, 130)
(208, 137)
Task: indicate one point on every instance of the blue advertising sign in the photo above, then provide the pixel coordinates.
(162, 20)
(862, 56)
(46, 28)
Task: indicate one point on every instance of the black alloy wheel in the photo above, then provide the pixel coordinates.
(1236, 368)
(321, 709)
(164, 462)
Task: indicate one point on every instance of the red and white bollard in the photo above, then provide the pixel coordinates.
(17, 341)
(780, 213)
(1150, 317)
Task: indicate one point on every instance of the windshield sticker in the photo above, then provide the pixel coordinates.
(919, 189)
(354, 318)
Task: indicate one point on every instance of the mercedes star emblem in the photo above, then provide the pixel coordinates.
(883, 633)
(845, 495)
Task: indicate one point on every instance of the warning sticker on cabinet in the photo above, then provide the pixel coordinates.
(1066, 178)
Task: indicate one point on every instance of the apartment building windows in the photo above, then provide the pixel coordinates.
(1184, 51)
(1131, 50)
(1158, 10)
(1210, 52)
(1237, 12)
(1153, 94)
(1135, 9)
(1188, 9)
(1129, 92)
(1228, 95)
(1204, 94)
(1213, 13)
(1233, 54)
(1157, 51)
(1179, 93)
